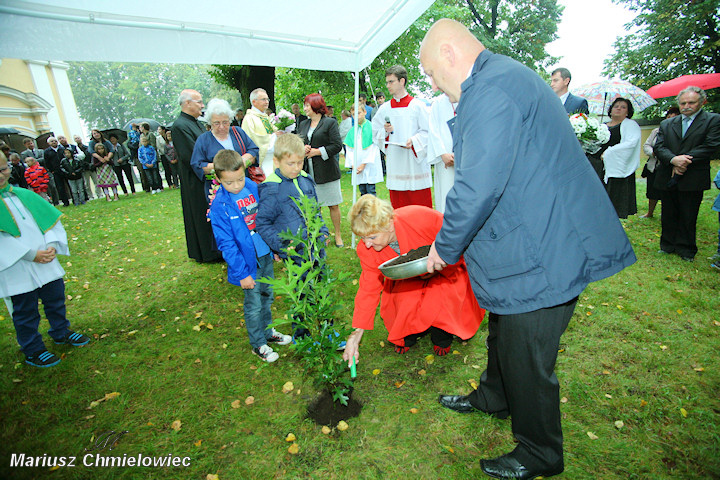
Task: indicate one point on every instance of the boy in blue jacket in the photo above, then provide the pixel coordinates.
(278, 212)
(148, 158)
(233, 213)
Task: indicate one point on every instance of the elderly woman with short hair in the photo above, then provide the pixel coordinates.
(442, 305)
(221, 136)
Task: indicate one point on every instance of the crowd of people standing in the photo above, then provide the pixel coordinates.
(65, 173)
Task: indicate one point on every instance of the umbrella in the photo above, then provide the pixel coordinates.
(121, 134)
(153, 124)
(601, 94)
(8, 131)
(672, 87)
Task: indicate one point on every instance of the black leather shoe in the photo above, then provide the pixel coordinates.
(461, 403)
(508, 467)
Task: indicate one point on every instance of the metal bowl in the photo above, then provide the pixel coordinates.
(402, 271)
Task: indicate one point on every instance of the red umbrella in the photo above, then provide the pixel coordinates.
(673, 87)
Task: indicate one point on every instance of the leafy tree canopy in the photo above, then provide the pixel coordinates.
(672, 38)
(108, 95)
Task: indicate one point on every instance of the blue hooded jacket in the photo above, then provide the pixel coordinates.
(232, 234)
(278, 212)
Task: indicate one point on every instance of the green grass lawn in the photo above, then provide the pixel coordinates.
(168, 336)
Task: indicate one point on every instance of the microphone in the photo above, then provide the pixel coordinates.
(387, 120)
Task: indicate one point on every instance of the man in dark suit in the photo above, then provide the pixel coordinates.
(299, 117)
(31, 150)
(684, 147)
(53, 156)
(515, 194)
(185, 131)
(559, 82)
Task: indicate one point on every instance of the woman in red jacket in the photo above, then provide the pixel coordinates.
(442, 305)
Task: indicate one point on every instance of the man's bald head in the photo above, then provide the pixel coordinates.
(447, 54)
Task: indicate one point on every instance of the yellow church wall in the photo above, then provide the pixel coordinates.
(9, 102)
(15, 74)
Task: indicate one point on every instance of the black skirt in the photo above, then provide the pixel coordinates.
(622, 195)
(652, 192)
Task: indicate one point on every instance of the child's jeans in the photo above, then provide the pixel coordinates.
(26, 316)
(367, 188)
(153, 175)
(257, 304)
(77, 187)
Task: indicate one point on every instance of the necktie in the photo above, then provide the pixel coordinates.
(686, 124)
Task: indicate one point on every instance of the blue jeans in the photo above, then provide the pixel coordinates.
(367, 188)
(26, 316)
(153, 175)
(257, 304)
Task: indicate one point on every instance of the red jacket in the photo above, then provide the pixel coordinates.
(37, 178)
(445, 300)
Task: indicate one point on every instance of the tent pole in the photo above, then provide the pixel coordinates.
(356, 151)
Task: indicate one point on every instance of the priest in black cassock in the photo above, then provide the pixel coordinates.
(185, 130)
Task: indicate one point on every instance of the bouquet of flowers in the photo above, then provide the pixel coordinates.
(591, 133)
(214, 187)
(283, 119)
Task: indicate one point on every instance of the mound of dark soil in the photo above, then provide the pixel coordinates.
(324, 411)
(413, 254)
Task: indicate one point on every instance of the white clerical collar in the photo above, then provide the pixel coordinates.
(397, 99)
(563, 97)
(257, 110)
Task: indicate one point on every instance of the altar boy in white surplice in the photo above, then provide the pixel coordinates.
(400, 130)
(440, 152)
(367, 166)
(31, 236)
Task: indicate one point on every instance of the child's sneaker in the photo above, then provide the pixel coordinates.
(43, 359)
(73, 338)
(279, 338)
(266, 353)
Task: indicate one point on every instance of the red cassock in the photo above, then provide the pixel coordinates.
(413, 305)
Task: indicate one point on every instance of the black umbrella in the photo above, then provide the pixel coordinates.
(153, 123)
(121, 134)
(8, 130)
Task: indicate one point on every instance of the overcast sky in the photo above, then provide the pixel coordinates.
(585, 37)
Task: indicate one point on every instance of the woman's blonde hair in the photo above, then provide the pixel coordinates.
(370, 215)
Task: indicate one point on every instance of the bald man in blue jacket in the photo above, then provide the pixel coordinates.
(535, 227)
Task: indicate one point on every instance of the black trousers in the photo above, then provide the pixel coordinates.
(520, 379)
(679, 214)
(125, 168)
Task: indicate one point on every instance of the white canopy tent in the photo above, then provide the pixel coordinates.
(335, 35)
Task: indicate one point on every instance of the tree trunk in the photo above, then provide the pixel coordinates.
(246, 78)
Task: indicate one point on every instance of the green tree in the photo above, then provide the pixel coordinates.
(672, 38)
(518, 28)
(108, 95)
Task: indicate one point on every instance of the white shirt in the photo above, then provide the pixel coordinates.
(407, 169)
(440, 142)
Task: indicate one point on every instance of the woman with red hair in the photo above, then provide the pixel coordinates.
(322, 145)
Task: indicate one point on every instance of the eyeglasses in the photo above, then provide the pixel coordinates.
(224, 123)
(197, 101)
(263, 99)
(5, 168)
